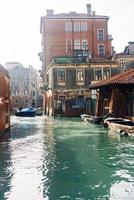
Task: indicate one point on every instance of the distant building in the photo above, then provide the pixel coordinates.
(24, 84)
(76, 50)
(125, 59)
(4, 100)
(12, 65)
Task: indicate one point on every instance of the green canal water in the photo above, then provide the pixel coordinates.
(65, 159)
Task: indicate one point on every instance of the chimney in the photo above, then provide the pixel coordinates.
(89, 9)
(50, 12)
(113, 52)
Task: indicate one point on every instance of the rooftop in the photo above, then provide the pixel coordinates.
(72, 15)
(126, 78)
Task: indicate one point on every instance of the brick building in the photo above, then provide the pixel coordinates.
(4, 101)
(76, 50)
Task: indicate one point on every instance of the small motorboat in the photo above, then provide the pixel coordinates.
(84, 117)
(124, 127)
(92, 119)
(109, 120)
(26, 112)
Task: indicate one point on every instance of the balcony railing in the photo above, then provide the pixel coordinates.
(60, 54)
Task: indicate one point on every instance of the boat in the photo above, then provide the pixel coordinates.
(26, 112)
(109, 120)
(39, 112)
(92, 119)
(84, 117)
(124, 127)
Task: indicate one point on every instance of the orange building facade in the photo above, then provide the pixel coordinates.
(76, 48)
(4, 101)
(70, 33)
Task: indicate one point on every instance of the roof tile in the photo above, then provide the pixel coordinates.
(126, 77)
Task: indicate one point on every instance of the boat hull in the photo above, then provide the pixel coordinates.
(92, 119)
(26, 112)
(122, 127)
(23, 114)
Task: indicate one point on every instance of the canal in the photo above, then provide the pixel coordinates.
(65, 159)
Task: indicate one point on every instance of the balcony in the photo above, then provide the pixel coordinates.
(59, 54)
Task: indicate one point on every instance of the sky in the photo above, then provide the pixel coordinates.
(20, 38)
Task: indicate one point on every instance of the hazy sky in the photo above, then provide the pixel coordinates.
(20, 25)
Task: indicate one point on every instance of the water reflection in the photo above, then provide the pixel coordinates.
(122, 190)
(76, 174)
(49, 155)
(26, 153)
(113, 136)
(86, 162)
(55, 159)
(5, 137)
(5, 165)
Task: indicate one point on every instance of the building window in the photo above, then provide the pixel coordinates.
(25, 92)
(76, 26)
(80, 75)
(47, 78)
(76, 44)
(100, 34)
(68, 26)
(33, 93)
(84, 44)
(83, 26)
(16, 92)
(68, 45)
(79, 102)
(61, 98)
(61, 75)
(98, 74)
(122, 64)
(7, 119)
(106, 73)
(101, 50)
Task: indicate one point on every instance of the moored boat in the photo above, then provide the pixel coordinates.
(84, 117)
(26, 112)
(92, 119)
(120, 125)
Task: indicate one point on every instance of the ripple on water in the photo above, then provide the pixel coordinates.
(65, 159)
(122, 191)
